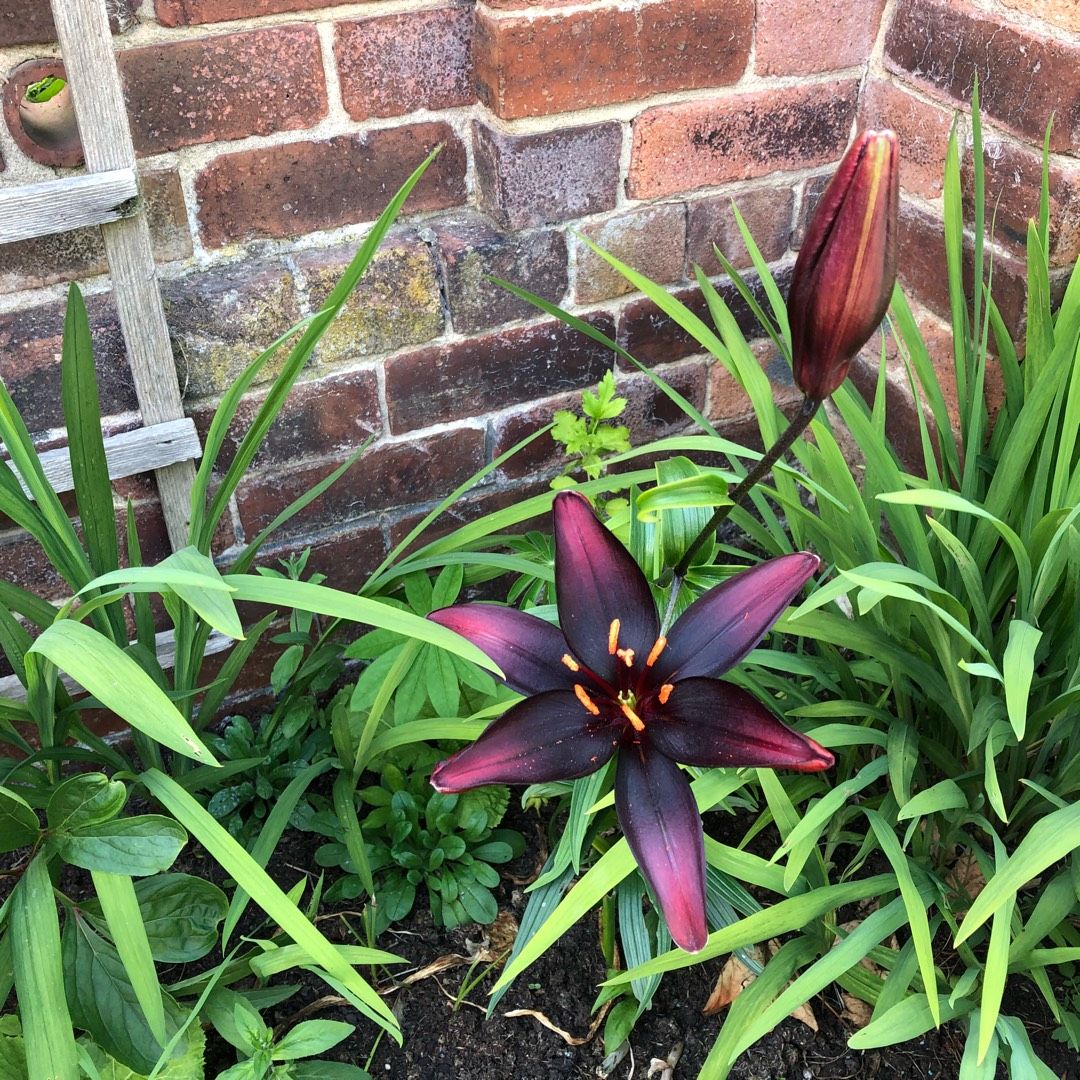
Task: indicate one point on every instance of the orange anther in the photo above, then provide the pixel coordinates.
(570, 662)
(626, 656)
(665, 693)
(657, 649)
(635, 721)
(582, 695)
(613, 637)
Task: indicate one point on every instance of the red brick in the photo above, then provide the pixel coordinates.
(813, 187)
(711, 221)
(533, 66)
(30, 342)
(923, 130)
(388, 475)
(30, 22)
(700, 143)
(652, 337)
(528, 180)
(305, 186)
(256, 82)
(191, 12)
(346, 556)
(1013, 185)
(324, 417)
(1023, 76)
(80, 253)
(472, 251)
(651, 240)
(396, 64)
(729, 403)
(650, 414)
(468, 378)
(797, 38)
(1063, 13)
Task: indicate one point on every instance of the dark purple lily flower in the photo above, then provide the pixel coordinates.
(609, 681)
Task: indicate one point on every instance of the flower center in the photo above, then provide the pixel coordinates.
(628, 703)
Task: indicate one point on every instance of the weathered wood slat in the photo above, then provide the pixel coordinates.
(130, 452)
(13, 690)
(82, 27)
(57, 206)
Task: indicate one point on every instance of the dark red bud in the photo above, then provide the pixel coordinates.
(846, 269)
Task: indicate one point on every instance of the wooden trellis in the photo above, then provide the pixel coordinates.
(108, 195)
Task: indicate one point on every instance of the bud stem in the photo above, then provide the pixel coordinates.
(798, 425)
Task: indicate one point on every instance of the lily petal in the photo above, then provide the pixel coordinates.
(545, 737)
(712, 723)
(527, 649)
(723, 625)
(662, 825)
(598, 582)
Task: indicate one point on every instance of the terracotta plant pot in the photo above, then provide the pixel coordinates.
(51, 124)
(45, 131)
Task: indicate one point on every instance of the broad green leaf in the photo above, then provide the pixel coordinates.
(119, 684)
(19, 825)
(180, 912)
(120, 907)
(1049, 839)
(944, 795)
(213, 604)
(39, 978)
(137, 846)
(269, 896)
(279, 958)
(189, 1066)
(311, 1037)
(907, 1020)
(705, 489)
(994, 972)
(1017, 670)
(86, 799)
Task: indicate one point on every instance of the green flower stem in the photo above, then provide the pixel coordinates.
(798, 425)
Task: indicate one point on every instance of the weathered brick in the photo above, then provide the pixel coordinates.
(1063, 13)
(923, 130)
(528, 180)
(699, 143)
(23, 23)
(221, 319)
(532, 66)
(395, 64)
(192, 12)
(30, 344)
(323, 417)
(1013, 185)
(32, 264)
(796, 38)
(652, 337)
(472, 251)
(729, 404)
(388, 475)
(346, 556)
(651, 240)
(213, 89)
(1024, 77)
(469, 378)
(396, 303)
(650, 414)
(813, 187)
(305, 186)
(711, 221)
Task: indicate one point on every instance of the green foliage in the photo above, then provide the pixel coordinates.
(416, 836)
(289, 1057)
(588, 439)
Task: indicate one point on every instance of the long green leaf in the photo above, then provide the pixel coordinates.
(39, 977)
(119, 684)
(268, 895)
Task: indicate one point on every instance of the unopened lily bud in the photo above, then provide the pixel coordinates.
(846, 269)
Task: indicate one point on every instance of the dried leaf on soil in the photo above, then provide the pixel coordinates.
(736, 977)
(570, 1040)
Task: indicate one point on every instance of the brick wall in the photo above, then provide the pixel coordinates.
(271, 133)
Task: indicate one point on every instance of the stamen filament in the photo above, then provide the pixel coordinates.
(583, 696)
(613, 637)
(635, 721)
(570, 662)
(665, 693)
(657, 649)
